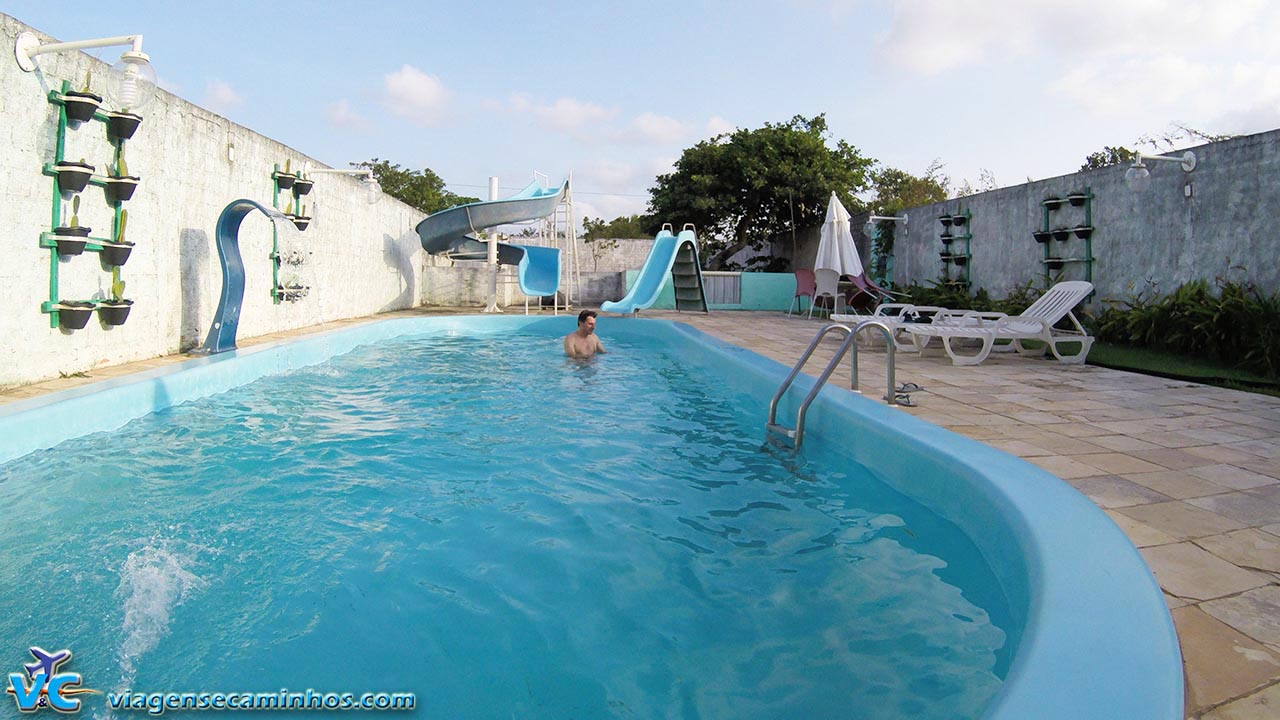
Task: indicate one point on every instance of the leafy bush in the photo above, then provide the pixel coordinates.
(1238, 326)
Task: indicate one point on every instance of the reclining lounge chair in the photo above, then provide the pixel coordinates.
(1035, 323)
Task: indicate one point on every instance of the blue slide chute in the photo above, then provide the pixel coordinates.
(674, 255)
(452, 233)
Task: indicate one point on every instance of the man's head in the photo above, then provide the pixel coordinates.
(587, 321)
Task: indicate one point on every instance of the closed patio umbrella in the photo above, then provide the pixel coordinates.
(836, 250)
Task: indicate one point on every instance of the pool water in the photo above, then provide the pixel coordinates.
(506, 533)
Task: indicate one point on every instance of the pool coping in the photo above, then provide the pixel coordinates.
(1076, 563)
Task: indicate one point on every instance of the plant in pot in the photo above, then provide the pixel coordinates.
(1055, 263)
(115, 310)
(1061, 234)
(960, 260)
(959, 220)
(303, 184)
(122, 124)
(945, 220)
(80, 105)
(116, 252)
(71, 239)
(946, 238)
(120, 184)
(1083, 231)
(1053, 202)
(73, 314)
(73, 176)
(301, 220)
(1077, 198)
(1042, 236)
(285, 178)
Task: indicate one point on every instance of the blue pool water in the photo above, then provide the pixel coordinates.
(502, 531)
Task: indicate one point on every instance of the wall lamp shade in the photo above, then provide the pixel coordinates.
(870, 227)
(1138, 177)
(133, 78)
(372, 188)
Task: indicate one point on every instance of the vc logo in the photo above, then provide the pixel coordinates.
(43, 686)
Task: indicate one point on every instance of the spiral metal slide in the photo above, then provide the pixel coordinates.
(452, 233)
(674, 254)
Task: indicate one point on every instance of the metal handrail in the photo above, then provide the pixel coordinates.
(851, 335)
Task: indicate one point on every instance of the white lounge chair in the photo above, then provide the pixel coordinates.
(1035, 323)
(895, 315)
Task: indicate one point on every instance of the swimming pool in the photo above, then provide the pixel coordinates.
(162, 567)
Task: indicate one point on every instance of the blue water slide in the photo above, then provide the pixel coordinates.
(451, 233)
(671, 255)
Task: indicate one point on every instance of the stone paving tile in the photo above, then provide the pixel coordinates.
(1255, 613)
(1181, 520)
(1220, 453)
(1188, 571)
(1171, 458)
(1170, 439)
(1117, 463)
(1013, 446)
(1240, 506)
(1262, 705)
(1221, 663)
(1111, 491)
(1230, 476)
(1273, 529)
(1175, 484)
(1140, 534)
(1270, 493)
(1250, 548)
(1060, 445)
(1125, 444)
(1064, 467)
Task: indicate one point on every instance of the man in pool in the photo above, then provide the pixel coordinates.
(583, 342)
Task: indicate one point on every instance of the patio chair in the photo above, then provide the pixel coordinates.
(1035, 323)
(805, 287)
(895, 315)
(828, 285)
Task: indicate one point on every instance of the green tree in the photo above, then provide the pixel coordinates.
(895, 191)
(742, 188)
(1108, 156)
(630, 226)
(422, 189)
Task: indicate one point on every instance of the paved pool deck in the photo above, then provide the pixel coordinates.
(1191, 473)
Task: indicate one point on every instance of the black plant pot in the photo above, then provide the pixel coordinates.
(74, 315)
(1042, 236)
(959, 220)
(1055, 263)
(960, 260)
(71, 240)
(302, 186)
(115, 254)
(1052, 202)
(120, 189)
(1083, 232)
(946, 240)
(80, 106)
(73, 176)
(285, 181)
(945, 220)
(1061, 235)
(122, 125)
(114, 313)
(300, 221)
(1076, 199)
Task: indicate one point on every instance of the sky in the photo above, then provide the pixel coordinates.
(614, 92)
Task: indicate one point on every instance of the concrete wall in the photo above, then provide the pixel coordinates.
(1162, 236)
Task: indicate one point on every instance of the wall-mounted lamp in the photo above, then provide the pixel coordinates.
(1138, 177)
(870, 227)
(135, 79)
(371, 185)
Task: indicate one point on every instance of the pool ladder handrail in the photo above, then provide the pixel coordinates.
(850, 343)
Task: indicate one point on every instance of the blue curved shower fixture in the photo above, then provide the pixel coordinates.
(222, 333)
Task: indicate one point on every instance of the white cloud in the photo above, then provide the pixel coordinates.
(220, 97)
(717, 125)
(653, 128)
(341, 115)
(415, 95)
(566, 115)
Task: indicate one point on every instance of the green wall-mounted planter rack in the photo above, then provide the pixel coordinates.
(297, 186)
(53, 306)
(957, 249)
(1054, 237)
